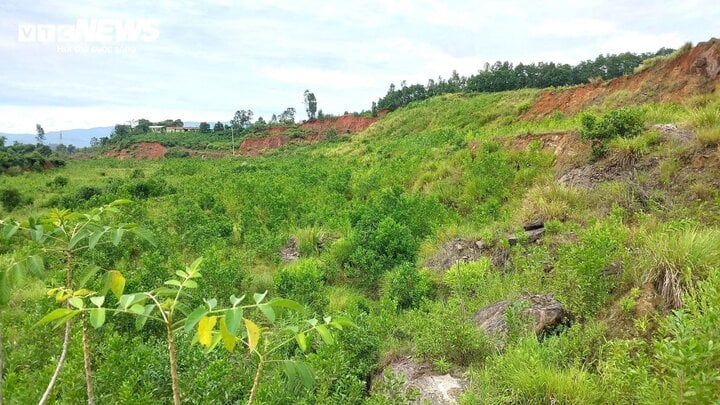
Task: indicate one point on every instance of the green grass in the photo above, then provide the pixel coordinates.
(435, 170)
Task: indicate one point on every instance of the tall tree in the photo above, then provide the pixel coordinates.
(218, 127)
(242, 119)
(288, 116)
(204, 127)
(40, 137)
(310, 104)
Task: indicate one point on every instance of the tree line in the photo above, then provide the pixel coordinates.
(502, 76)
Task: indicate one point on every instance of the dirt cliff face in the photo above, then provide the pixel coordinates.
(253, 146)
(145, 150)
(696, 71)
(344, 124)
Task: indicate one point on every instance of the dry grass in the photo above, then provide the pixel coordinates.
(678, 258)
(709, 136)
(551, 202)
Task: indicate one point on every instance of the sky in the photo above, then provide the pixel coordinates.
(113, 61)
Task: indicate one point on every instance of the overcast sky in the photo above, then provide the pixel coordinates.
(201, 61)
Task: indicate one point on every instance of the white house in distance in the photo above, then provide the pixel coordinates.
(163, 128)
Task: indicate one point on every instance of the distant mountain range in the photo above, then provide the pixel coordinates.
(77, 137)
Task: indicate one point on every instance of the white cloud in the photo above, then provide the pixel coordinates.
(573, 28)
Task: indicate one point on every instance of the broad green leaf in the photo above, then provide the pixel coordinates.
(325, 334)
(55, 315)
(339, 322)
(301, 340)
(290, 371)
(286, 303)
(142, 318)
(312, 321)
(117, 236)
(127, 301)
(77, 302)
(181, 274)
(95, 237)
(306, 374)
(194, 266)
(190, 284)
(37, 233)
(98, 301)
(235, 300)
(117, 282)
(173, 282)
(327, 319)
(205, 328)
(77, 238)
(216, 338)
(36, 266)
(83, 292)
(145, 234)
(232, 319)
(9, 230)
(268, 311)
(211, 303)
(229, 339)
(97, 317)
(86, 274)
(259, 297)
(194, 317)
(137, 309)
(253, 332)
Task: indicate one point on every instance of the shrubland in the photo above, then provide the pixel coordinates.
(632, 258)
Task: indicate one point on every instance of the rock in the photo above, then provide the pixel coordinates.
(453, 251)
(544, 311)
(290, 253)
(434, 388)
(531, 226)
(531, 236)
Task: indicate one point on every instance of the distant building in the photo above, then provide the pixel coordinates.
(163, 128)
(181, 129)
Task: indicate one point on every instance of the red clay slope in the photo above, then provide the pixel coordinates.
(693, 72)
(344, 124)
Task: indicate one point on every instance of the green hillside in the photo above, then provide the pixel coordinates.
(631, 232)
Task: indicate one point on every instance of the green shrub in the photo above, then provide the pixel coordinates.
(303, 281)
(579, 279)
(11, 198)
(58, 182)
(624, 123)
(407, 286)
(688, 358)
(442, 335)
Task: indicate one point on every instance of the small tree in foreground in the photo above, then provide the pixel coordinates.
(211, 324)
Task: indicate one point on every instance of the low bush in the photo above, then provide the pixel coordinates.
(443, 335)
(303, 281)
(407, 286)
(11, 198)
(624, 123)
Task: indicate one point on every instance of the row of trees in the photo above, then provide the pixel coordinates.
(502, 76)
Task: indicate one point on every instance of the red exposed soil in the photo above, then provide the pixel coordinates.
(145, 150)
(344, 124)
(254, 146)
(693, 72)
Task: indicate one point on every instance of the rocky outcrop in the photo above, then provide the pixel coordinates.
(543, 311)
(431, 387)
(455, 250)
